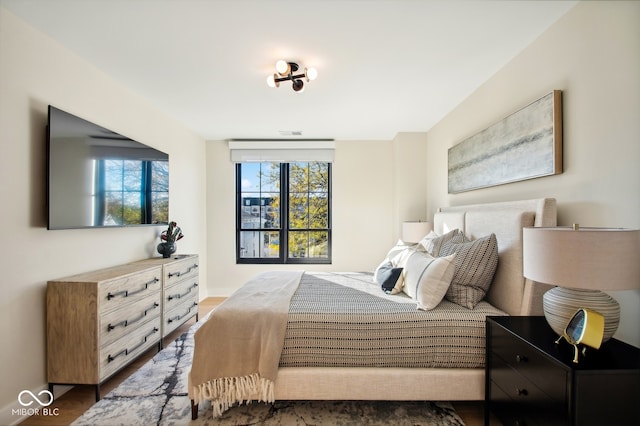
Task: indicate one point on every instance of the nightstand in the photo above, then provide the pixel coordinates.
(530, 380)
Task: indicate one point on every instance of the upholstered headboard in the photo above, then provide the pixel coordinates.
(509, 291)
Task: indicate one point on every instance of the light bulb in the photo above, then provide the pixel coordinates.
(282, 67)
(311, 73)
(271, 81)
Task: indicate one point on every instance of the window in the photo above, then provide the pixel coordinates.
(283, 212)
(131, 192)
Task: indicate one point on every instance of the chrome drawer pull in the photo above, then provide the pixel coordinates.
(189, 269)
(127, 293)
(127, 322)
(128, 351)
(179, 296)
(521, 358)
(178, 317)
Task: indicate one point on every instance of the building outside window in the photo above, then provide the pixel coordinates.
(283, 212)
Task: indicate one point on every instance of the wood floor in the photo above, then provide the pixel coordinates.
(76, 401)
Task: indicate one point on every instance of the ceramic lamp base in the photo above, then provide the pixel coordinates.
(561, 303)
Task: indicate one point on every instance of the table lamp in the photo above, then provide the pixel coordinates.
(582, 262)
(412, 232)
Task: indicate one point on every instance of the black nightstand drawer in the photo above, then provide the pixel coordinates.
(527, 361)
(522, 401)
(512, 413)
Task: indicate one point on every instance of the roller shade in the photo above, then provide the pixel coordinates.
(246, 151)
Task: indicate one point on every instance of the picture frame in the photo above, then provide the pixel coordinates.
(526, 144)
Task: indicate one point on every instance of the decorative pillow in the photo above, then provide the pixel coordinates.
(433, 242)
(393, 253)
(389, 278)
(476, 262)
(427, 278)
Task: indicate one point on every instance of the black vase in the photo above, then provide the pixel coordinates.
(166, 249)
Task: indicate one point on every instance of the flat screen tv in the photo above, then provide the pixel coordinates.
(98, 178)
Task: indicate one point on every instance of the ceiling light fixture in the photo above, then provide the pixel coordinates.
(286, 71)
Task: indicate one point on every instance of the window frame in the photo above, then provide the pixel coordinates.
(283, 230)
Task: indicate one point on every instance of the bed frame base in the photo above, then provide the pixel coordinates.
(400, 384)
(194, 410)
(375, 384)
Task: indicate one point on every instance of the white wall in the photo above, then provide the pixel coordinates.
(592, 54)
(409, 179)
(362, 213)
(35, 71)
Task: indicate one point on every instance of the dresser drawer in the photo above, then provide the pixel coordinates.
(529, 363)
(115, 293)
(178, 315)
(120, 322)
(180, 270)
(124, 350)
(179, 293)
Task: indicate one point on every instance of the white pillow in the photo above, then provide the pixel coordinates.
(393, 253)
(427, 278)
(401, 257)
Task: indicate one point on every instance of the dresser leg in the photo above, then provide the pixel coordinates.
(98, 392)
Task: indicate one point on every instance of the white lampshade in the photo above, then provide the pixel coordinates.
(582, 262)
(412, 232)
(587, 258)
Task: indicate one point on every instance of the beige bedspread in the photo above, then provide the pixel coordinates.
(238, 349)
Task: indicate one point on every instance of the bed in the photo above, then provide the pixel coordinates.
(309, 362)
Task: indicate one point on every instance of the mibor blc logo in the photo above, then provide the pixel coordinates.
(35, 405)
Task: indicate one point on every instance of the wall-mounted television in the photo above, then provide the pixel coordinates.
(99, 178)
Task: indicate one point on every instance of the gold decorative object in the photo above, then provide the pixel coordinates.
(586, 327)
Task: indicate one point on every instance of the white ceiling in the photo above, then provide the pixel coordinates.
(384, 66)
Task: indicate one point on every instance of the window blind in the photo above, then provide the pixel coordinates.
(281, 151)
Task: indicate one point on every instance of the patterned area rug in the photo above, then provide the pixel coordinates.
(157, 394)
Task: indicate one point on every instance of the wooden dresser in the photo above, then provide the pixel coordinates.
(100, 321)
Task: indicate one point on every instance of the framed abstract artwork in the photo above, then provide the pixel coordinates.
(524, 145)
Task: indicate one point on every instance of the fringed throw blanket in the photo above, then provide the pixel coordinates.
(238, 349)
